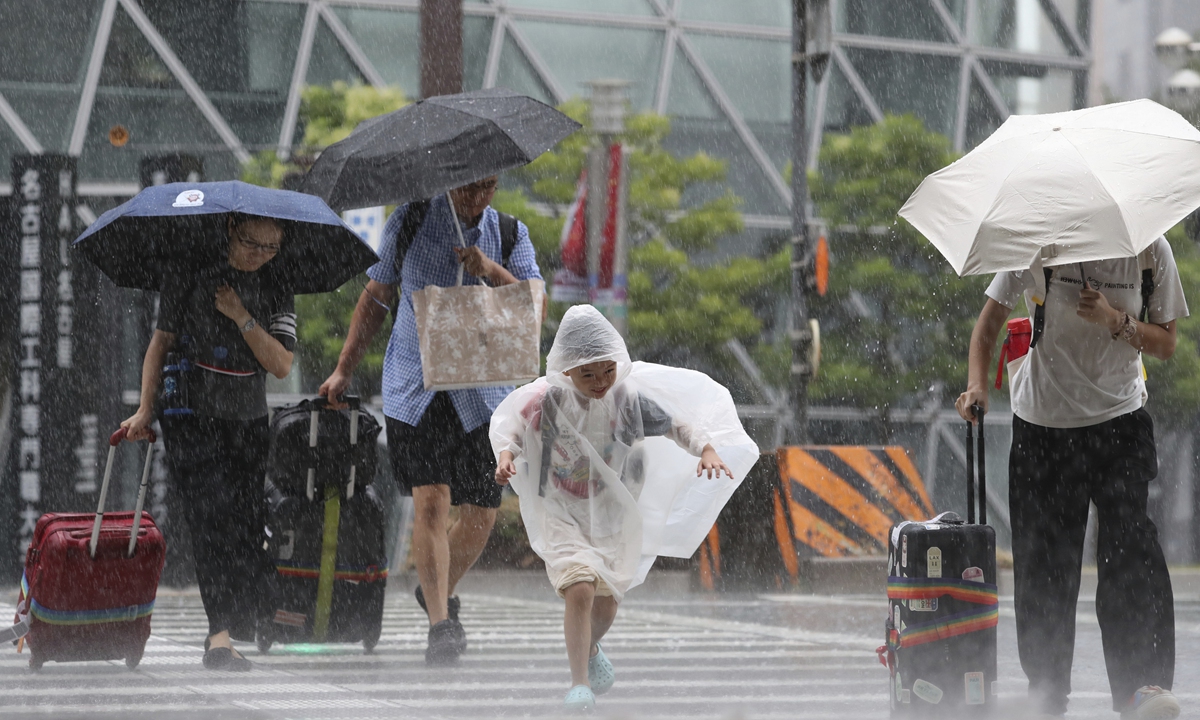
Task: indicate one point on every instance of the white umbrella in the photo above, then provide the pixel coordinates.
(1070, 187)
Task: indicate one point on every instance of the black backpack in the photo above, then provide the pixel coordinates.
(414, 218)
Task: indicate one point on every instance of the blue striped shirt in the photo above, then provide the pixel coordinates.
(431, 261)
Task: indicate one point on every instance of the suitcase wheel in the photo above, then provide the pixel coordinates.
(264, 642)
(132, 659)
(371, 636)
(35, 662)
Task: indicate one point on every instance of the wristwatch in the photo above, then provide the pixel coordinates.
(1127, 329)
(1130, 328)
(248, 326)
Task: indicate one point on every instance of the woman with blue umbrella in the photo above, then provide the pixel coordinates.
(227, 259)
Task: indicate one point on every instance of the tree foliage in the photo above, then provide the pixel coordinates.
(1174, 385)
(329, 114)
(896, 320)
(673, 303)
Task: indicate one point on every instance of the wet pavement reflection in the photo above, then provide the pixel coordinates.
(677, 653)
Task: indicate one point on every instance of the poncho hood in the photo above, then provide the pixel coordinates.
(585, 336)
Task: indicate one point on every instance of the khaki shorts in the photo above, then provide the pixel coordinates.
(581, 573)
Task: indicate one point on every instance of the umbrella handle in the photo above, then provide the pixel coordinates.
(457, 229)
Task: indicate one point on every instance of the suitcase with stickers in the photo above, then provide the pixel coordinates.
(943, 608)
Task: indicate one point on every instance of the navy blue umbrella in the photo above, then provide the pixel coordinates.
(181, 228)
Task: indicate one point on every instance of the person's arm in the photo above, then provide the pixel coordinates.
(270, 353)
(509, 426)
(983, 339)
(505, 467)
(1155, 340)
(656, 422)
(156, 354)
(369, 314)
(481, 266)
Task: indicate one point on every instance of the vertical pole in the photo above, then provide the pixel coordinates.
(799, 332)
(620, 284)
(608, 122)
(441, 47)
(597, 213)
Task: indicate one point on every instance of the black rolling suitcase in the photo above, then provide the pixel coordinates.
(943, 609)
(326, 528)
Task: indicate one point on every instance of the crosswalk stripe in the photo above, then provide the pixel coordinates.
(669, 665)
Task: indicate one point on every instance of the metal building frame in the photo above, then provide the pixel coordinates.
(677, 31)
(506, 17)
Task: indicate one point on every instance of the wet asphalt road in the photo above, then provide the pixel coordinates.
(676, 654)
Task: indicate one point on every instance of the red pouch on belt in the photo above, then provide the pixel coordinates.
(1016, 345)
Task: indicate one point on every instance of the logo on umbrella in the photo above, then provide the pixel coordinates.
(189, 198)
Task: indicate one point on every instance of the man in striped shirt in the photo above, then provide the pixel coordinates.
(438, 440)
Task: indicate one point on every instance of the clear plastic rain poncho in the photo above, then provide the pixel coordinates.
(610, 484)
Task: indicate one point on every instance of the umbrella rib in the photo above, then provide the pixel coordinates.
(1004, 182)
(1131, 132)
(1100, 180)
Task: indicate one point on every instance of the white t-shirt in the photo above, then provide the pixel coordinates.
(1078, 375)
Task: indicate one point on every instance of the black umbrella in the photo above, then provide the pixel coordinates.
(180, 228)
(435, 145)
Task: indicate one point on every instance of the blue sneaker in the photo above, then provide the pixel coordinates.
(580, 699)
(600, 672)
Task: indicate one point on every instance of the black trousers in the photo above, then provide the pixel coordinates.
(218, 467)
(1053, 474)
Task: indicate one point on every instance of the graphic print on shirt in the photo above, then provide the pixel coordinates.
(571, 468)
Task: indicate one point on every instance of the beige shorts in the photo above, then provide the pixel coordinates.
(578, 574)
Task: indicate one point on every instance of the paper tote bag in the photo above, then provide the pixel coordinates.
(476, 336)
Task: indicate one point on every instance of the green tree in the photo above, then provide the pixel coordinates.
(329, 114)
(673, 302)
(896, 319)
(1174, 385)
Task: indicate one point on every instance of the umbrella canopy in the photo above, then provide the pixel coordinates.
(435, 145)
(181, 228)
(1070, 187)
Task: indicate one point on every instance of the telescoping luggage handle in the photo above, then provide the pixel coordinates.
(978, 412)
(113, 441)
(322, 403)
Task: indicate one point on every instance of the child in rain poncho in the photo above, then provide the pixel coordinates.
(603, 488)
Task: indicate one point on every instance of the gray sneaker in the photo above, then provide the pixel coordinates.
(1151, 702)
(445, 642)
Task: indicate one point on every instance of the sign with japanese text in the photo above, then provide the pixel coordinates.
(62, 350)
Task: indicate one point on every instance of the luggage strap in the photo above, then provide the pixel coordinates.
(369, 574)
(325, 576)
(985, 595)
(21, 628)
(28, 609)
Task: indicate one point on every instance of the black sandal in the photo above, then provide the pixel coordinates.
(223, 658)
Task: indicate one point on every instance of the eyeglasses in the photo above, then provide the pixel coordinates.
(251, 245)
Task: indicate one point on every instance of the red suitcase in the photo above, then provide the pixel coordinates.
(90, 580)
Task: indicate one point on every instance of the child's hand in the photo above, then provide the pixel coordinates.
(505, 468)
(710, 460)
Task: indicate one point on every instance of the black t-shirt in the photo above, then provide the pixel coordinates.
(227, 382)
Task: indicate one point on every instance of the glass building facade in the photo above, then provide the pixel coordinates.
(221, 78)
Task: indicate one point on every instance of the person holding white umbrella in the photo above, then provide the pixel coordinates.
(1069, 209)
